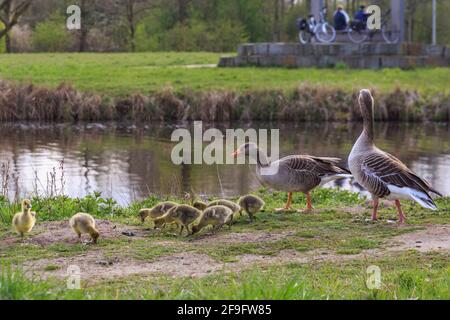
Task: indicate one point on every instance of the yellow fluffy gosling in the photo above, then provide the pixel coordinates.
(182, 215)
(227, 203)
(157, 211)
(251, 204)
(84, 223)
(200, 205)
(24, 221)
(216, 216)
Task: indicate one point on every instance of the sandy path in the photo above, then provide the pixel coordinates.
(94, 266)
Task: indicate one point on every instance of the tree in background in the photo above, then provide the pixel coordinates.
(51, 35)
(134, 9)
(195, 25)
(10, 12)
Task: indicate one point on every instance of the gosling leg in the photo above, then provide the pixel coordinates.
(181, 229)
(250, 215)
(188, 231)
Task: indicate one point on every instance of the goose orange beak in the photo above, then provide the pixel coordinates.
(235, 154)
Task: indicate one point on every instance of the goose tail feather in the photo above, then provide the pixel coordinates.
(425, 202)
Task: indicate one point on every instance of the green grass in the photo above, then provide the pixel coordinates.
(406, 276)
(332, 229)
(126, 73)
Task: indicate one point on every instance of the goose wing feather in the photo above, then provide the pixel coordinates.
(380, 169)
(319, 166)
(308, 171)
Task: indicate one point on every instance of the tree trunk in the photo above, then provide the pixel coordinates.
(276, 21)
(182, 10)
(8, 43)
(131, 27)
(84, 30)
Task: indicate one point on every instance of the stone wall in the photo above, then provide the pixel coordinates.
(360, 56)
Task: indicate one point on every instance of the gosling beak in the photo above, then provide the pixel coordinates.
(29, 206)
(235, 154)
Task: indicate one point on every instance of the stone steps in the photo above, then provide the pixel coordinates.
(365, 55)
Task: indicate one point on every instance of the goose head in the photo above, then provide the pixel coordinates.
(246, 149)
(365, 100)
(252, 150)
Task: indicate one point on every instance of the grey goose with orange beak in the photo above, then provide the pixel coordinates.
(296, 173)
(382, 174)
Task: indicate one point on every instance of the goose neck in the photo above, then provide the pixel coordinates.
(368, 122)
(261, 159)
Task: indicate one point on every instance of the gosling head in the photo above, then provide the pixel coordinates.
(143, 214)
(26, 204)
(158, 222)
(200, 205)
(195, 229)
(246, 149)
(95, 236)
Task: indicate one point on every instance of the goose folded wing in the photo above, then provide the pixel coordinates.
(316, 165)
(381, 169)
(308, 171)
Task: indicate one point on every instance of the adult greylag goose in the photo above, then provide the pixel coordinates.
(382, 174)
(296, 173)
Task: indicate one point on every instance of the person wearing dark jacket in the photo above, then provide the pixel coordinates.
(340, 19)
(360, 15)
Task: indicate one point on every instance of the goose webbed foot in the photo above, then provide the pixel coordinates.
(288, 206)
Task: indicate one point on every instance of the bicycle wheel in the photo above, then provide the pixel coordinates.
(305, 36)
(357, 36)
(390, 34)
(325, 33)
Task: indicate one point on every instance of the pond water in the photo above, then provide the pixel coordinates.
(128, 163)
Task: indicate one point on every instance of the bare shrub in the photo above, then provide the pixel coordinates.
(21, 38)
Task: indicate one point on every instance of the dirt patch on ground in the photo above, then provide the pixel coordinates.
(94, 266)
(244, 237)
(293, 256)
(60, 232)
(432, 238)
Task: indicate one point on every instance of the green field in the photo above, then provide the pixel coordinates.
(319, 255)
(126, 73)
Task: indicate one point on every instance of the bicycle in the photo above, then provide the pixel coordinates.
(358, 31)
(310, 28)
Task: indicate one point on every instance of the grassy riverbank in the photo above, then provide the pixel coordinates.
(184, 86)
(316, 255)
(123, 74)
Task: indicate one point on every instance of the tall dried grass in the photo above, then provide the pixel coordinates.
(27, 102)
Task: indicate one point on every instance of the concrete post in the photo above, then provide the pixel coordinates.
(316, 6)
(398, 17)
(433, 40)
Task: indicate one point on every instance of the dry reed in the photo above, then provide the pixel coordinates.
(27, 102)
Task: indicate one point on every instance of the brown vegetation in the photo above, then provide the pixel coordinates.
(19, 102)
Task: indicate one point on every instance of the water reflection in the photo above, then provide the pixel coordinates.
(128, 162)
